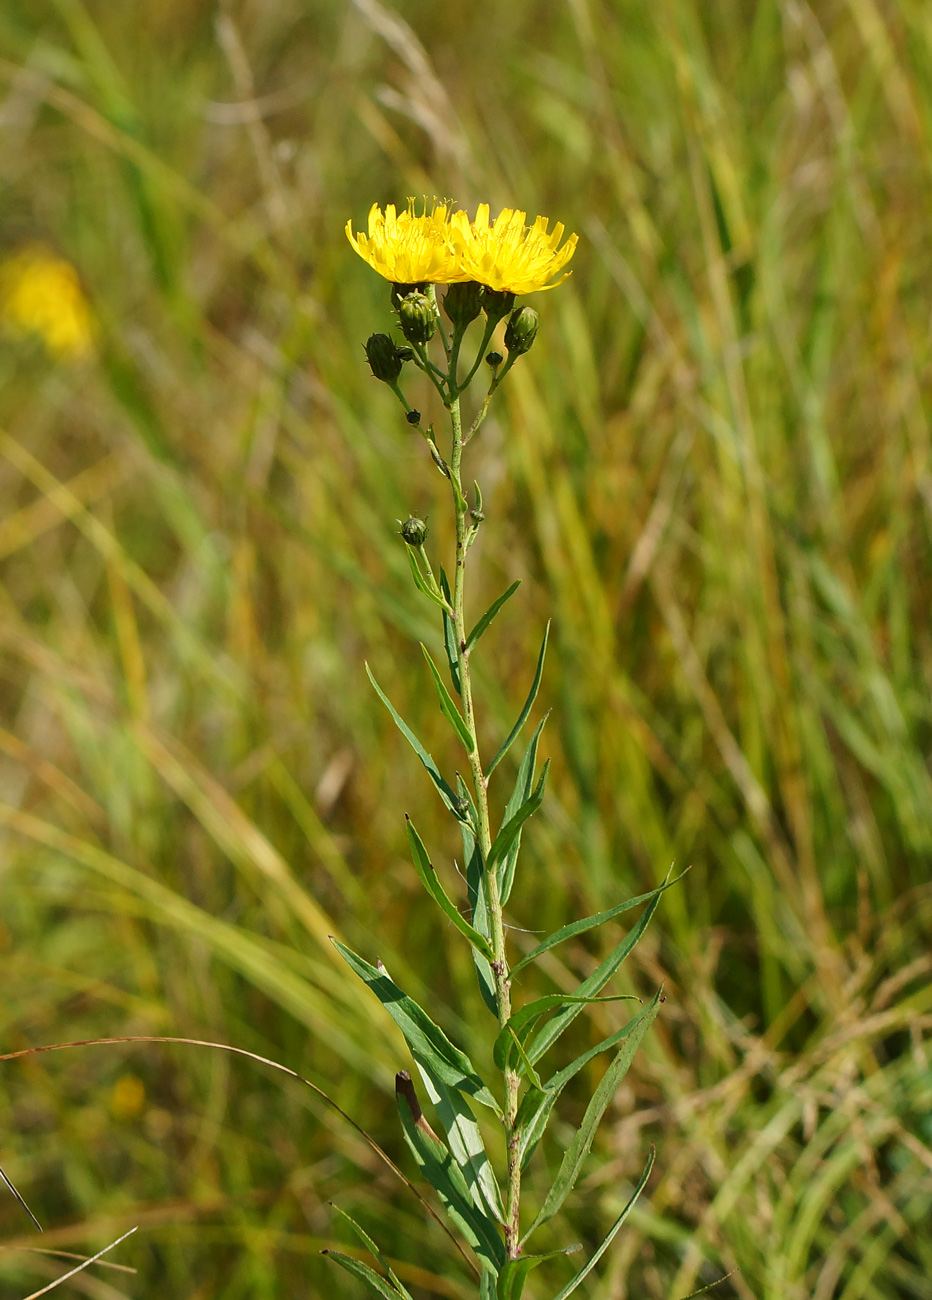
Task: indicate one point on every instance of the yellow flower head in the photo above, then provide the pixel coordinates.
(508, 255)
(41, 295)
(406, 248)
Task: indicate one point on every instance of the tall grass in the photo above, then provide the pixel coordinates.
(726, 512)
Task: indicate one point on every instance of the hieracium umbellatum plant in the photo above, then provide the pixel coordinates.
(480, 268)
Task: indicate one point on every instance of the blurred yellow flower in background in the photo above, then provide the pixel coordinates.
(406, 248)
(41, 296)
(508, 255)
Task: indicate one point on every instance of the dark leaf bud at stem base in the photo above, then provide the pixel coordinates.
(417, 318)
(383, 358)
(495, 359)
(521, 330)
(414, 531)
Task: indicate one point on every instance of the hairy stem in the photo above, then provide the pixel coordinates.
(500, 964)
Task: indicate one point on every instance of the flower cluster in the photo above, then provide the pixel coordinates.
(440, 247)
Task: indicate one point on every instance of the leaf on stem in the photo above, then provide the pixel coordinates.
(446, 1178)
(589, 923)
(431, 882)
(582, 1140)
(522, 1021)
(427, 1041)
(374, 1281)
(597, 980)
(422, 583)
(479, 908)
(449, 636)
(445, 791)
(373, 1250)
(528, 704)
(612, 1232)
(513, 1276)
(466, 1144)
(512, 827)
(535, 1108)
(524, 783)
(483, 624)
(447, 707)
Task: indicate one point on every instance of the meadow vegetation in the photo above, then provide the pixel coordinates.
(714, 473)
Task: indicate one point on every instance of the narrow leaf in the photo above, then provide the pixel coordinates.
(524, 784)
(534, 1111)
(373, 1250)
(513, 1276)
(483, 625)
(445, 791)
(612, 1233)
(597, 980)
(466, 1144)
(373, 1280)
(447, 707)
(487, 1285)
(582, 1140)
(431, 882)
(528, 705)
(445, 1177)
(512, 828)
(449, 636)
(422, 583)
(427, 1041)
(478, 903)
(522, 1020)
(589, 923)
(531, 1074)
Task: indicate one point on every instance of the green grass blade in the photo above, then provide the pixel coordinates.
(444, 1175)
(524, 784)
(427, 1041)
(528, 705)
(578, 1149)
(357, 1268)
(447, 707)
(466, 1144)
(374, 1250)
(552, 1031)
(445, 791)
(589, 923)
(431, 882)
(483, 624)
(509, 833)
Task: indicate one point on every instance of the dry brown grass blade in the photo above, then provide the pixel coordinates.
(34, 1295)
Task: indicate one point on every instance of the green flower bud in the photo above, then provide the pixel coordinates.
(521, 330)
(495, 359)
(497, 303)
(405, 353)
(463, 302)
(400, 291)
(414, 531)
(383, 358)
(417, 317)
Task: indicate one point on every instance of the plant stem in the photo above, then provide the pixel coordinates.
(500, 969)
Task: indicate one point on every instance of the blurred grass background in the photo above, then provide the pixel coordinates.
(713, 473)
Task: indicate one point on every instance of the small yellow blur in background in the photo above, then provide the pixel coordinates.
(41, 297)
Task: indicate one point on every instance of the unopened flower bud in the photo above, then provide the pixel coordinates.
(383, 358)
(413, 417)
(405, 353)
(521, 330)
(495, 359)
(497, 303)
(400, 291)
(417, 318)
(414, 531)
(463, 302)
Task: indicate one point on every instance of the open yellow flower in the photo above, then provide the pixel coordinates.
(40, 294)
(508, 255)
(406, 248)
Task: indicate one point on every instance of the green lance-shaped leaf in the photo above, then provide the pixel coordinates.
(449, 636)
(445, 791)
(427, 1041)
(582, 1140)
(528, 705)
(612, 1233)
(536, 1105)
(523, 1019)
(513, 1276)
(431, 882)
(374, 1281)
(549, 1034)
(446, 1178)
(423, 583)
(524, 784)
(373, 1250)
(590, 923)
(487, 1285)
(509, 833)
(483, 625)
(447, 707)
(466, 1144)
(479, 908)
